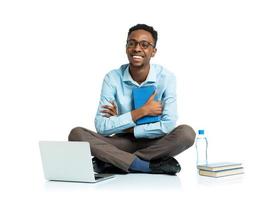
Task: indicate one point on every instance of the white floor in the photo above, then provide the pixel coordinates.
(184, 186)
(25, 180)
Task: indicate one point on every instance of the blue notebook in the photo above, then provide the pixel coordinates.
(140, 97)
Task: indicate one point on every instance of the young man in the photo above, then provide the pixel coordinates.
(119, 142)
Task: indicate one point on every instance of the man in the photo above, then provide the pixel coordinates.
(122, 144)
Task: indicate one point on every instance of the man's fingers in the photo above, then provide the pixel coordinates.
(151, 98)
(113, 103)
(109, 108)
(108, 112)
(115, 107)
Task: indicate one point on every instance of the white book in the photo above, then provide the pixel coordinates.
(219, 166)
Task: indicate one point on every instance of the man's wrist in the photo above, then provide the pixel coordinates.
(144, 111)
(138, 113)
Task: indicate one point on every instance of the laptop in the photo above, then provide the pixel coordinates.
(69, 161)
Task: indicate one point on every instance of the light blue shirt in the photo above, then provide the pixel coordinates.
(117, 86)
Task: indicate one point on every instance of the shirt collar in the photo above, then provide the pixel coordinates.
(151, 77)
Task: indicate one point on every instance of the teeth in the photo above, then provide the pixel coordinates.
(137, 57)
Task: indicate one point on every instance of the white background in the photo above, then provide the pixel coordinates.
(54, 55)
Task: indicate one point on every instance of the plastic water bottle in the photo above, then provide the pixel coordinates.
(201, 148)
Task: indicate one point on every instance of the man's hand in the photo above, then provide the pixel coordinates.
(153, 107)
(109, 110)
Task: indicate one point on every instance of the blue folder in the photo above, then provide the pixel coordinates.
(140, 97)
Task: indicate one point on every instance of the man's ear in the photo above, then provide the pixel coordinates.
(154, 52)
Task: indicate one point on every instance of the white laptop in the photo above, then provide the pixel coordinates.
(69, 161)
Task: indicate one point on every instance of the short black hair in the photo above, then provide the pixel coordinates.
(147, 28)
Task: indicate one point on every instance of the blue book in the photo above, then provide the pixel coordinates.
(140, 97)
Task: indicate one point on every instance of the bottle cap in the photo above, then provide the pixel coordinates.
(201, 132)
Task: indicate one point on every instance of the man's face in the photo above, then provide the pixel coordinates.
(139, 54)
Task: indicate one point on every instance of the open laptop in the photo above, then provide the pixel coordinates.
(69, 161)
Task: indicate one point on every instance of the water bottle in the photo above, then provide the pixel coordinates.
(201, 148)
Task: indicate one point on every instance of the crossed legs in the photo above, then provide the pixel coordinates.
(120, 151)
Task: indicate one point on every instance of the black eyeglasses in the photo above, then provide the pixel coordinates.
(143, 44)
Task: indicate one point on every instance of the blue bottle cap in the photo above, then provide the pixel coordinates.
(201, 132)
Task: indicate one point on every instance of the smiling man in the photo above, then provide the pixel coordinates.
(123, 145)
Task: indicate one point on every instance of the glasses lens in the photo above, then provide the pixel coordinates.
(131, 43)
(144, 44)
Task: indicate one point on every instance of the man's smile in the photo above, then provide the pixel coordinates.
(137, 58)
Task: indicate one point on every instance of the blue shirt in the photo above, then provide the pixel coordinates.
(117, 86)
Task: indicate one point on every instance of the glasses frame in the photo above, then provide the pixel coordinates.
(140, 44)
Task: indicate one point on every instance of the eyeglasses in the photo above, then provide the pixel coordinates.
(143, 44)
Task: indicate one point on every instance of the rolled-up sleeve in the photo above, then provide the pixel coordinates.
(115, 124)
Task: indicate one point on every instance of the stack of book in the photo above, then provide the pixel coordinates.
(220, 169)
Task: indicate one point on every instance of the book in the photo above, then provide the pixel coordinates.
(220, 166)
(140, 96)
(221, 173)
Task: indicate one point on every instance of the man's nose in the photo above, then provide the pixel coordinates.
(137, 47)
